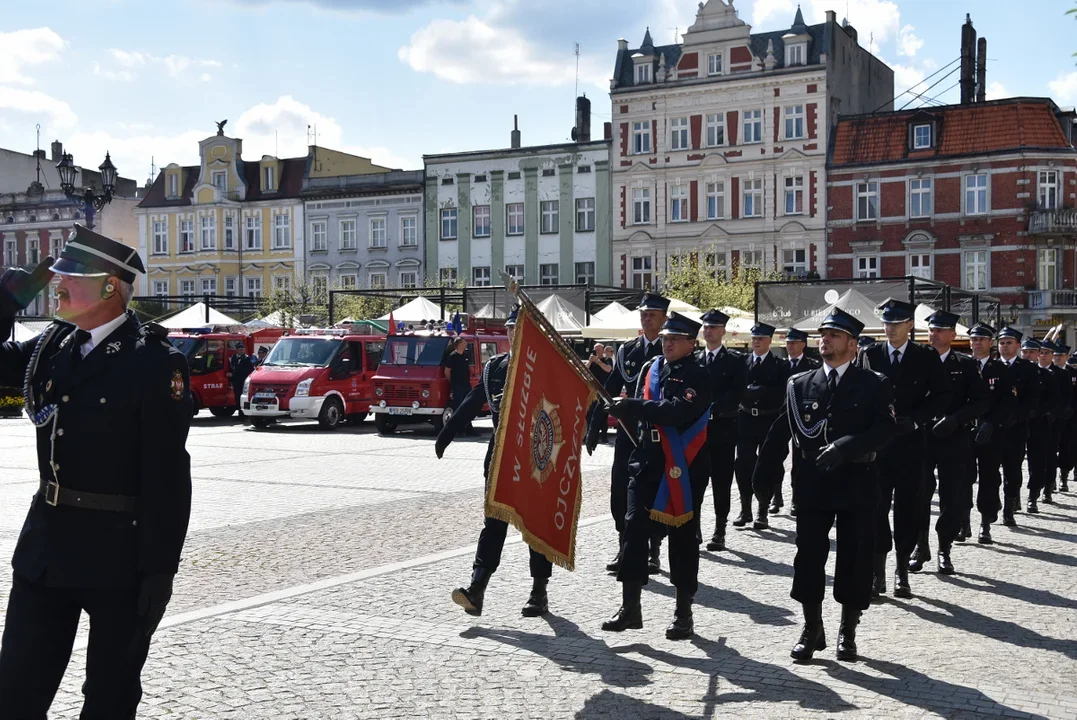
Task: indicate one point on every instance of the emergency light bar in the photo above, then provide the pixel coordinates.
(335, 332)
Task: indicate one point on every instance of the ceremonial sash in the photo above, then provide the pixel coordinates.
(673, 504)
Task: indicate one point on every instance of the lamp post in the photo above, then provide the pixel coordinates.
(1014, 313)
(91, 202)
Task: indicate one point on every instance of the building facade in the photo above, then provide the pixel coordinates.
(365, 231)
(720, 143)
(541, 214)
(979, 196)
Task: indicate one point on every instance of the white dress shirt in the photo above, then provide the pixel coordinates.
(100, 333)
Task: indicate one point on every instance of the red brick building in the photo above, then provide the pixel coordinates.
(980, 196)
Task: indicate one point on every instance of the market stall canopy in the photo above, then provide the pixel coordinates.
(611, 312)
(490, 311)
(923, 312)
(23, 333)
(195, 316)
(682, 307)
(856, 304)
(565, 317)
(417, 310)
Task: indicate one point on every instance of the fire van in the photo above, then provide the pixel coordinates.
(209, 351)
(411, 385)
(323, 375)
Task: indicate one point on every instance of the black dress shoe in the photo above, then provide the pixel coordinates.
(793, 510)
(654, 558)
(1048, 499)
(716, 543)
(470, 598)
(878, 585)
(921, 553)
(946, 567)
(681, 628)
(1033, 509)
(850, 618)
(614, 565)
(630, 615)
(743, 519)
(985, 536)
(901, 578)
(761, 522)
(1064, 487)
(1008, 521)
(812, 637)
(537, 602)
(776, 506)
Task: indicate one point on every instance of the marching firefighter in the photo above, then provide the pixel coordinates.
(1023, 380)
(796, 341)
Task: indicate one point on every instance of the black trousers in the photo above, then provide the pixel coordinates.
(683, 541)
(622, 450)
(988, 461)
(793, 470)
(492, 542)
(722, 445)
(39, 632)
(901, 477)
(751, 433)
(853, 569)
(1013, 444)
(1039, 458)
(951, 457)
(1066, 454)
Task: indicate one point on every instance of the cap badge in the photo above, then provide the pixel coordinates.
(177, 385)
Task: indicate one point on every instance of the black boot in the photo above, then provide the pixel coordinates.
(813, 637)
(965, 531)
(470, 598)
(654, 558)
(537, 602)
(1065, 484)
(1007, 514)
(850, 618)
(745, 516)
(1033, 508)
(878, 586)
(630, 615)
(946, 567)
(717, 542)
(793, 508)
(1048, 496)
(681, 628)
(985, 535)
(761, 521)
(921, 553)
(776, 504)
(901, 577)
(615, 564)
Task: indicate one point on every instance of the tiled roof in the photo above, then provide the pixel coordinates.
(961, 130)
(156, 195)
(289, 183)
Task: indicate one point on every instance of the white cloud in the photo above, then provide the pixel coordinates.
(131, 61)
(908, 41)
(997, 90)
(205, 77)
(764, 10)
(908, 77)
(25, 48)
(119, 75)
(36, 103)
(133, 150)
(1064, 89)
(876, 21)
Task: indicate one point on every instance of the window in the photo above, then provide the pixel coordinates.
(753, 126)
(794, 54)
(160, 288)
(585, 273)
(209, 286)
(751, 259)
(641, 138)
(678, 203)
(920, 265)
(585, 215)
(348, 282)
(209, 232)
(319, 284)
(548, 274)
(187, 288)
(187, 236)
(921, 137)
(480, 178)
(408, 279)
(514, 175)
(794, 195)
(230, 285)
(267, 179)
(794, 122)
(795, 262)
(867, 266)
(377, 281)
(254, 235)
(975, 194)
(348, 235)
(173, 185)
(678, 134)
(480, 276)
(642, 269)
(254, 287)
(516, 272)
(33, 251)
(921, 202)
(641, 201)
(220, 180)
(643, 73)
(715, 264)
(976, 269)
(448, 224)
(448, 276)
(1048, 190)
(282, 231)
(583, 169)
(753, 198)
(378, 236)
(716, 130)
(867, 200)
(714, 64)
(481, 216)
(229, 232)
(1047, 277)
(160, 237)
(409, 231)
(319, 237)
(515, 214)
(549, 172)
(550, 216)
(715, 200)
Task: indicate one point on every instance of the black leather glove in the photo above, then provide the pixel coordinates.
(905, 425)
(619, 408)
(945, 428)
(591, 441)
(830, 459)
(441, 443)
(154, 592)
(983, 435)
(18, 288)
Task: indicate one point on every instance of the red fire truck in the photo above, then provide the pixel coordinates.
(208, 351)
(411, 385)
(323, 375)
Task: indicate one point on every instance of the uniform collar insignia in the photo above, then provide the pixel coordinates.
(113, 347)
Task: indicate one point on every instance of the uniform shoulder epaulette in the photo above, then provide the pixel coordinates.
(152, 328)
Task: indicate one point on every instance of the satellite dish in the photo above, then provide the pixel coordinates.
(832, 296)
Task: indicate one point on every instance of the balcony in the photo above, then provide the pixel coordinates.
(1050, 299)
(1052, 222)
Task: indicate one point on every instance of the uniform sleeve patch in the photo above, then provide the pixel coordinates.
(177, 385)
(689, 394)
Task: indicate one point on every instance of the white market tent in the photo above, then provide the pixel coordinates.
(195, 316)
(611, 312)
(682, 307)
(489, 311)
(562, 315)
(853, 302)
(417, 310)
(23, 333)
(923, 312)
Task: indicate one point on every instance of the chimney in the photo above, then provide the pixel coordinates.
(57, 151)
(515, 132)
(607, 131)
(39, 154)
(968, 62)
(981, 70)
(622, 44)
(582, 132)
(831, 16)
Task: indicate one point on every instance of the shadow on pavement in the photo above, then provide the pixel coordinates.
(1035, 554)
(727, 600)
(1032, 596)
(608, 704)
(752, 563)
(918, 690)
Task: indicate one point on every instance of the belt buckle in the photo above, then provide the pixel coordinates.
(755, 412)
(52, 492)
(655, 437)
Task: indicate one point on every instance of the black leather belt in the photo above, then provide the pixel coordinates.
(812, 454)
(55, 495)
(727, 415)
(756, 412)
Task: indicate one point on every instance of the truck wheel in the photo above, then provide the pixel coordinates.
(261, 423)
(332, 414)
(440, 420)
(384, 425)
(222, 412)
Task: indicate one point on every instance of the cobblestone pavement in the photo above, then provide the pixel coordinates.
(316, 580)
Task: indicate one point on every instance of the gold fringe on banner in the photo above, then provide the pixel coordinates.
(671, 520)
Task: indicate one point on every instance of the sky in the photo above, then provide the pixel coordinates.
(396, 79)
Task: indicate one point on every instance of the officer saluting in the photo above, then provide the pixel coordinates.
(102, 537)
(669, 472)
(838, 416)
(796, 341)
(492, 538)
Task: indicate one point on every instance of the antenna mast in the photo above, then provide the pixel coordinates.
(37, 155)
(577, 69)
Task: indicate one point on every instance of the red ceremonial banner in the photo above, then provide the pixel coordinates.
(535, 473)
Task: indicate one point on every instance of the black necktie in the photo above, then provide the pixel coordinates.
(80, 338)
(895, 357)
(710, 358)
(757, 361)
(792, 364)
(832, 382)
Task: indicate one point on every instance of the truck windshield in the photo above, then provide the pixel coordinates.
(189, 346)
(302, 351)
(415, 350)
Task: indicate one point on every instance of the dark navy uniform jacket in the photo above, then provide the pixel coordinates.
(120, 428)
(969, 398)
(920, 383)
(490, 390)
(628, 365)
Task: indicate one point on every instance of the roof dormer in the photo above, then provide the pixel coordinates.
(173, 181)
(796, 42)
(269, 174)
(923, 132)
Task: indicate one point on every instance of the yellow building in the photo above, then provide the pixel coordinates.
(231, 227)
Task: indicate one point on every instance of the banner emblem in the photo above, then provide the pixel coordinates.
(546, 440)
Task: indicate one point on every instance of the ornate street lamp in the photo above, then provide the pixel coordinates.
(91, 202)
(1014, 314)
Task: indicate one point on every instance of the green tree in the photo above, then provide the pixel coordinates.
(696, 283)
